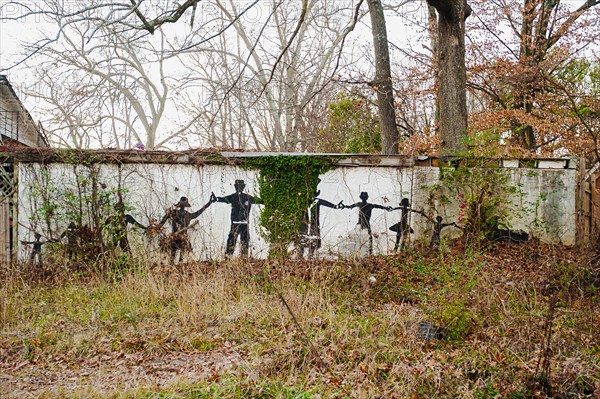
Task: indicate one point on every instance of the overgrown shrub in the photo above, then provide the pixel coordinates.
(476, 183)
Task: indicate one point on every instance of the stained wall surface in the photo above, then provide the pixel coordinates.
(53, 195)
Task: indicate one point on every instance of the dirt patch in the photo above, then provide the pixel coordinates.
(115, 372)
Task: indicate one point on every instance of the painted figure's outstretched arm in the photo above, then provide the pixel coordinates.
(166, 217)
(131, 220)
(377, 206)
(201, 210)
(349, 206)
(326, 203)
(226, 199)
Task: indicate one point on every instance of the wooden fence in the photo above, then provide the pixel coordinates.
(5, 232)
(7, 191)
(588, 207)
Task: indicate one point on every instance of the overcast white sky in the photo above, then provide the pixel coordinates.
(13, 34)
(403, 31)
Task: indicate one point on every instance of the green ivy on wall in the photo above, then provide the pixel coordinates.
(287, 187)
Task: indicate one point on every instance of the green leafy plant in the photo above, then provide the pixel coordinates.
(477, 184)
(352, 127)
(449, 304)
(287, 187)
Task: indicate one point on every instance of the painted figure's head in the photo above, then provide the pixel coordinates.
(317, 192)
(438, 219)
(37, 236)
(364, 196)
(184, 203)
(405, 202)
(239, 185)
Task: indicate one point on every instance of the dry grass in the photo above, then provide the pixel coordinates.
(220, 330)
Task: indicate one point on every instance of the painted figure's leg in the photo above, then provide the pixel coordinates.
(245, 239)
(231, 238)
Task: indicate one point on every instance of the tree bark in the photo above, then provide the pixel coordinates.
(432, 30)
(452, 76)
(383, 80)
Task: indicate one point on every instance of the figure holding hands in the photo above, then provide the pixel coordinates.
(310, 233)
(180, 220)
(402, 228)
(241, 203)
(365, 210)
(36, 251)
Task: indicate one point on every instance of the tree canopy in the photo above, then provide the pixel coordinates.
(267, 75)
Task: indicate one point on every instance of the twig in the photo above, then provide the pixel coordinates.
(312, 347)
(521, 360)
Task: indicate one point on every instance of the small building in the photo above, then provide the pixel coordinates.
(17, 129)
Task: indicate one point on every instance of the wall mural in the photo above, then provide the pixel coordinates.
(177, 212)
(241, 203)
(309, 238)
(178, 242)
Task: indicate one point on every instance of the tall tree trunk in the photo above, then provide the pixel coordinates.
(532, 51)
(432, 30)
(452, 76)
(383, 80)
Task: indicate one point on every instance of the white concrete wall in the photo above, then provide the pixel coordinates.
(546, 209)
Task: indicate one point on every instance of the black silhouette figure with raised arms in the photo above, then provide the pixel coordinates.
(364, 215)
(116, 225)
(36, 250)
(438, 226)
(402, 228)
(180, 220)
(310, 232)
(241, 203)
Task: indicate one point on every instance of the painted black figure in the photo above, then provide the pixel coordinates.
(438, 226)
(310, 233)
(71, 234)
(240, 212)
(81, 242)
(500, 232)
(116, 226)
(364, 215)
(36, 251)
(402, 228)
(180, 220)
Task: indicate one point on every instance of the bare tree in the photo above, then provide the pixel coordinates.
(116, 85)
(383, 79)
(276, 75)
(452, 77)
(269, 91)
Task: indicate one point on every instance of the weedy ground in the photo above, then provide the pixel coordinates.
(519, 322)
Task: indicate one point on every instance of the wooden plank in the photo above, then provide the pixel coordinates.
(595, 210)
(582, 202)
(4, 232)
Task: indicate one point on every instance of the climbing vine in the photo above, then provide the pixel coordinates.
(287, 187)
(70, 209)
(479, 186)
